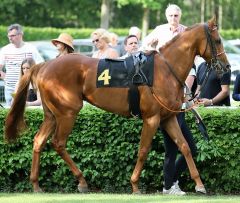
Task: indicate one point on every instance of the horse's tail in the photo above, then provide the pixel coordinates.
(15, 123)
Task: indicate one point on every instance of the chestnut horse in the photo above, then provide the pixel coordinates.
(68, 80)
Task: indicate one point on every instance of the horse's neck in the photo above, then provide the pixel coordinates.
(180, 55)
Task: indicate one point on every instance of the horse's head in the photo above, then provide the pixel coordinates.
(214, 52)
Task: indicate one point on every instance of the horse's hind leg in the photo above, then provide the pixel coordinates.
(63, 129)
(174, 131)
(40, 139)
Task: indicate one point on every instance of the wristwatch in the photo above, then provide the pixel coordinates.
(211, 102)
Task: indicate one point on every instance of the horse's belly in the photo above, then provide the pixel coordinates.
(110, 99)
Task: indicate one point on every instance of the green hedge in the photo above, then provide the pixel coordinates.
(47, 33)
(105, 147)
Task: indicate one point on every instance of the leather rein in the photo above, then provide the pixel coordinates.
(213, 63)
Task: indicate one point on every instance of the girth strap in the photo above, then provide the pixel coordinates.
(134, 101)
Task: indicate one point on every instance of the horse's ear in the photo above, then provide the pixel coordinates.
(212, 23)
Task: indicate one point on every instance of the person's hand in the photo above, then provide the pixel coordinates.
(153, 43)
(205, 101)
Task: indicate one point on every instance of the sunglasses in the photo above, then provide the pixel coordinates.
(96, 40)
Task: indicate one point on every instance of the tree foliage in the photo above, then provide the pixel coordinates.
(122, 13)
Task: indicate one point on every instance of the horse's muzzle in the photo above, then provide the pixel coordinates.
(224, 67)
(227, 68)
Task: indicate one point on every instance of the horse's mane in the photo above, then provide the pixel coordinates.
(192, 27)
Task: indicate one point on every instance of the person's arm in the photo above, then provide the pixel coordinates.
(16, 87)
(190, 80)
(37, 102)
(2, 62)
(219, 97)
(236, 89)
(2, 74)
(150, 40)
(197, 90)
(112, 53)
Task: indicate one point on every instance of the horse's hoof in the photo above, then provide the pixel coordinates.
(83, 189)
(39, 190)
(137, 193)
(200, 189)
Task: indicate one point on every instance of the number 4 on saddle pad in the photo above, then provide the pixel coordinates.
(121, 73)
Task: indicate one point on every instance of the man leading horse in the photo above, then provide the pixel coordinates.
(173, 168)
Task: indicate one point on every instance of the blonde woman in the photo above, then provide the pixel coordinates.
(64, 44)
(101, 39)
(33, 98)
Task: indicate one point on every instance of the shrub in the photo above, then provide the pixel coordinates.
(105, 145)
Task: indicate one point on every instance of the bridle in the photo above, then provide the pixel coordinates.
(211, 43)
(213, 63)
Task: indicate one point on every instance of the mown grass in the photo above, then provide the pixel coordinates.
(111, 198)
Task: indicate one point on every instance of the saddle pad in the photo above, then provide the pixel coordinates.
(119, 73)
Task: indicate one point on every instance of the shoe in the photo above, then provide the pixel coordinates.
(176, 185)
(178, 188)
(173, 191)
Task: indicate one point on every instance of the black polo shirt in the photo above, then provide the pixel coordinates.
(213, 84)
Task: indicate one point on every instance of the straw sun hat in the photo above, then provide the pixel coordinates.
(65, 39)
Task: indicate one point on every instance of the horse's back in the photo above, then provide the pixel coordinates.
(61, 81)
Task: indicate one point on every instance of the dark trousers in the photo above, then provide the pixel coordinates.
(172, 169)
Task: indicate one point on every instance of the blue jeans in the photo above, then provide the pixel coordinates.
(8, 95)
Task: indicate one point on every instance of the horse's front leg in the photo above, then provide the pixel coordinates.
(172, 127)
(150, 126)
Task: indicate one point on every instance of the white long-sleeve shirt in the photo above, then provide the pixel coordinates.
(161, 34)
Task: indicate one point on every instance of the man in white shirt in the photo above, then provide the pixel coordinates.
(11, 57)
(173, 166)
(163, 33)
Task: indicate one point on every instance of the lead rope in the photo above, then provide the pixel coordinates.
(173, 110)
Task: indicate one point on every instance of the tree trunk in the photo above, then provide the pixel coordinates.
(158, 18)
(105, 10)
(220, 13)
(202, 11)
(216, 10)
(145, 22)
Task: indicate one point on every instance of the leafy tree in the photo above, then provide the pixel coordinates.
(120, 14)
(54, 13)
(147, 6)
